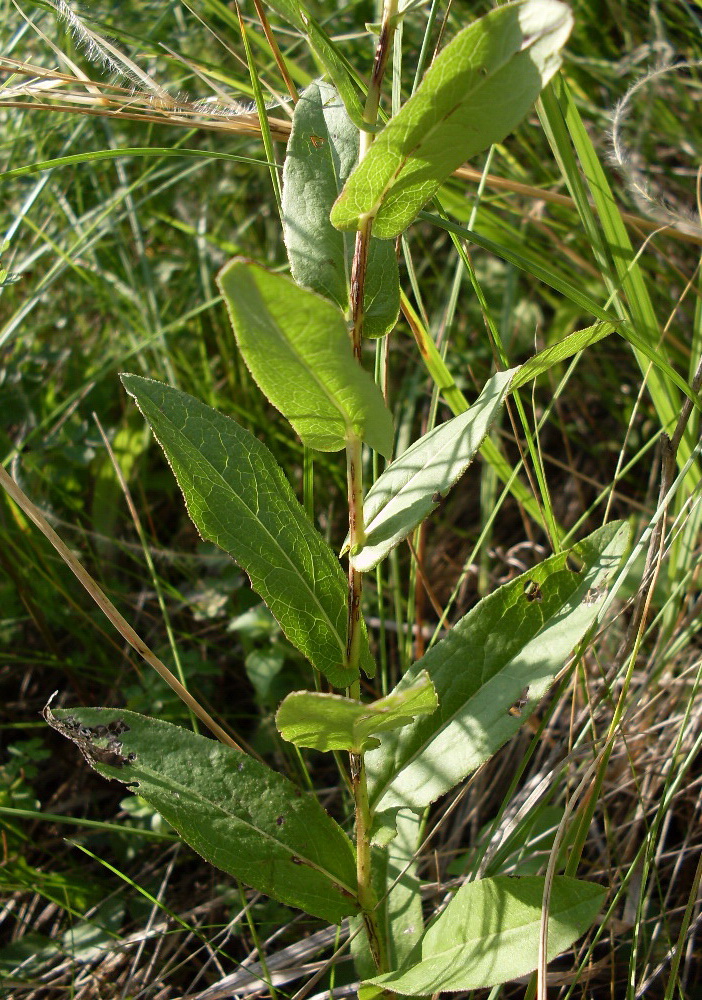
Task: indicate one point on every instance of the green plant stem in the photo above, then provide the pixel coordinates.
(354, 478)
(354, 459)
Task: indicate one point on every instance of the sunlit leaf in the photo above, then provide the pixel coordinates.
(489, 934)
(238, 814)
(412, 486)
(492, 669)
(297, 347)
(330, 722)
(475, 93)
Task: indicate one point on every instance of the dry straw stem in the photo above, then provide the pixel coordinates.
(108, 608)
(64, 93)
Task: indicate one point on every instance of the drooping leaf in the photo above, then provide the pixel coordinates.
(489, 934)
(238, 814)
(322, 151)
(474, 94)
(239, 498)
(330, 722)
(492, 669)
(297, 347)
(412, 486)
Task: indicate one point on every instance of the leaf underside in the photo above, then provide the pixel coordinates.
(489, 934)
(321, 153)
(504, 653)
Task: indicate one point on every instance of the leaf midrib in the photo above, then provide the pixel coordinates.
(377, 798)
(178, 787)
(274, 540)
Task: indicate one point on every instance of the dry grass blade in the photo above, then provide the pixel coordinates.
(48, 90)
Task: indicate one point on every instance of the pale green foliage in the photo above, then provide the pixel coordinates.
(514, 640)
(297, 347)
(330, 722)
(475, 93)
(472, 690)
(322, 151)
(412, 486)
(489, 933)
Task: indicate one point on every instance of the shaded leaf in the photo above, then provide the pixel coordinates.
(238, 497)
(474, 94)
(297, 347)
(502, 655)
(489, 934)
(322, 151)
(330, 722)
(238, 814)
(410, 488)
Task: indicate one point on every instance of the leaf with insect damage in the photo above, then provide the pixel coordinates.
(237, 813)
(517, 638)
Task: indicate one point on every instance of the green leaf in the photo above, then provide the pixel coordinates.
(238, 497)
(489, 934)
(564, 349)
(410, 488)
(330, 722)
(474, 94)
(499, 659)
(297, 347)
(238, 814)
(322, 151)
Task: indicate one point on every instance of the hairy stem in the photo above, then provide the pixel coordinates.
(366, 894)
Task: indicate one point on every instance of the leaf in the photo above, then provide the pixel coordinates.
(297, 347)
(503, 655)
(564, 349)
(322, 151)
(489, 934)
(474, 94)
(410, 488)
(238, 814)
(330, 722)
(238, 497)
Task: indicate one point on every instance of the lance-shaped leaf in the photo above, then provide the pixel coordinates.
(239, 498)
(474, 94)
(566, 348)
(489, 934)
(297, 347)
(237, 813)
(412, 486)
(492, 669)
(322, 151)
(330, 722)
